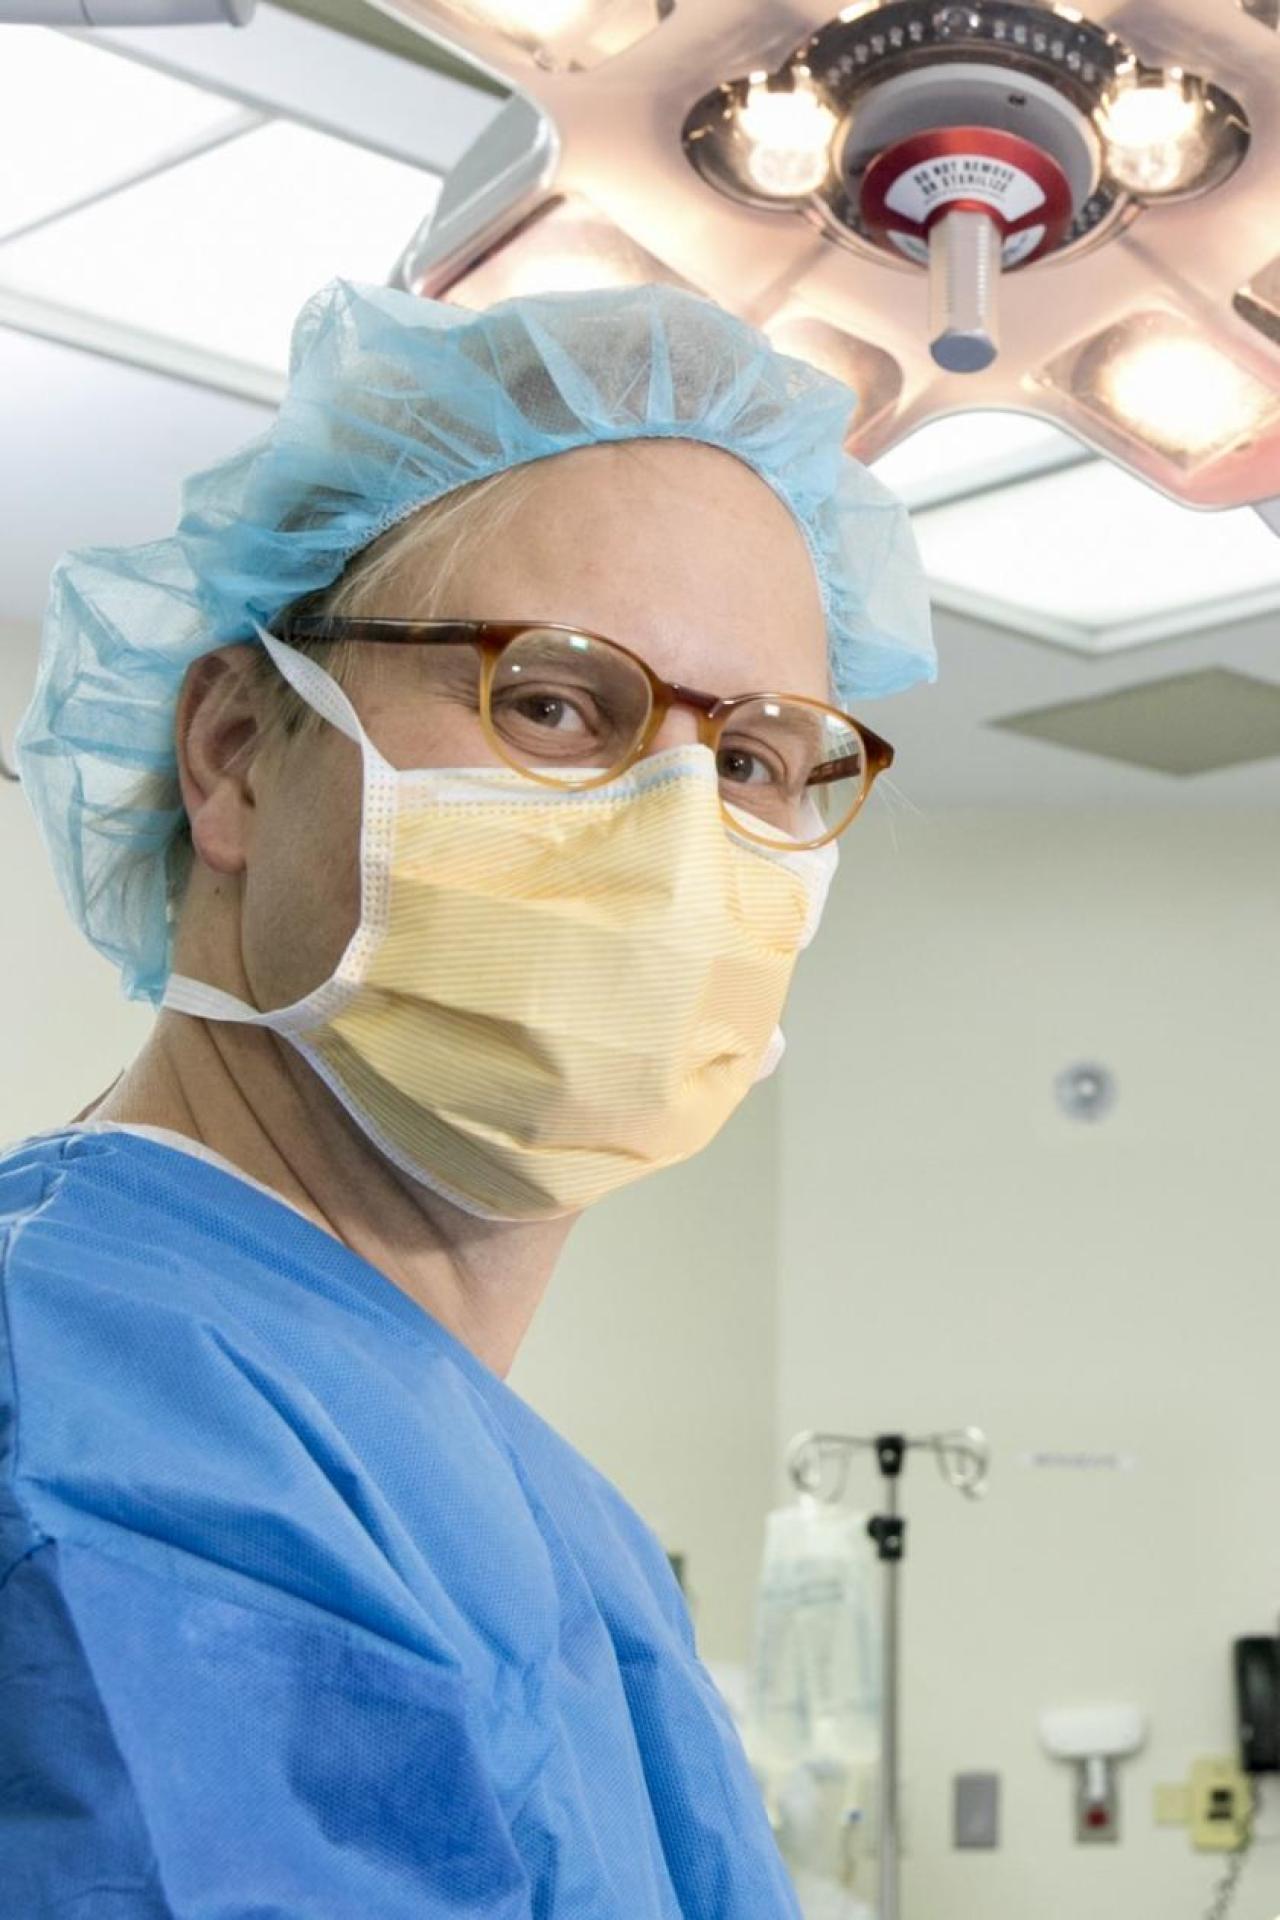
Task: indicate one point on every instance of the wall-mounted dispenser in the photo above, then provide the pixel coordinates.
(1094, 1738)
(1256, 1665)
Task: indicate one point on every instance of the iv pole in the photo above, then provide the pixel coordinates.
(962, 1460)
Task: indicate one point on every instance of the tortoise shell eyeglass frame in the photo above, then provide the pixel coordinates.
(493, 637)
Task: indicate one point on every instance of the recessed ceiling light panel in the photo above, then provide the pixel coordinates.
(1094, 560)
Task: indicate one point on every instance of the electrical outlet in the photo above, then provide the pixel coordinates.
(976, 1810)
(1219, 1806)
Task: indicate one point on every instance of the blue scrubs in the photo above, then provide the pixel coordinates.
(304, 1614)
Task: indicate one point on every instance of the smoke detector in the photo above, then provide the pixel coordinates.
(948, 203)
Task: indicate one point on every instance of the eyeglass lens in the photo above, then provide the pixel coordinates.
(568, 701)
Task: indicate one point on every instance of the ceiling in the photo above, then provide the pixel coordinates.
(149, 285)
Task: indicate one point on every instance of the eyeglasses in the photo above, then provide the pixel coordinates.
(572, 709)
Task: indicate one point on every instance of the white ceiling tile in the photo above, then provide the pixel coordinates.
(75, 120)
(223, 250)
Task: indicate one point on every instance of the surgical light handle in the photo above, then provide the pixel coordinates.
(962, 1457)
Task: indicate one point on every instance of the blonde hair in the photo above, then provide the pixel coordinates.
(442, 533)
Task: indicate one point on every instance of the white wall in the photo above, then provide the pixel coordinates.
(955, 1251)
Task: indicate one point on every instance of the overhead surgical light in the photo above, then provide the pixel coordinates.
(1056, 175)
(565, 247)
(538, 20)
(874, 375)
(1258, 302)
(560, 35)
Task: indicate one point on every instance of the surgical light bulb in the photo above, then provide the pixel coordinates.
(1183, 395)
(1155, 136)
(788, 135)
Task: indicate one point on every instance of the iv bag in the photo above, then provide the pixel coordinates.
(816, 1676)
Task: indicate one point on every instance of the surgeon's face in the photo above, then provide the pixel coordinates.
(678, 551)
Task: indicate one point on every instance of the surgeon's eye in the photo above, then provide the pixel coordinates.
(741, 767)
(551, 711)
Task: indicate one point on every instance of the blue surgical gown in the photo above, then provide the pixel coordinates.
(304, 1614)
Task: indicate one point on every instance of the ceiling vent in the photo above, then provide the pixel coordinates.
(1190, 723)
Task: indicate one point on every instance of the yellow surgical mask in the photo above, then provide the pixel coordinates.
(548, 994)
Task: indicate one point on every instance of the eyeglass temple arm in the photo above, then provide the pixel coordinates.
(384, 632)
(879, 756)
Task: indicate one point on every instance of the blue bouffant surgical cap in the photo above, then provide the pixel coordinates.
(392, 402)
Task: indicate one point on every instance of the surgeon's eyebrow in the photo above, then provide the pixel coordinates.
(450, 668)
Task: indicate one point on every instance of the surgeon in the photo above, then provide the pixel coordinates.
(460, 781)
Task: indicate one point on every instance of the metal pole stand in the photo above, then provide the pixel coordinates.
(963, 1458)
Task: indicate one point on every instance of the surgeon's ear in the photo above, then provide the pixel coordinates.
(217, 731)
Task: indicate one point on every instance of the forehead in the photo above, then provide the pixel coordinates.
(678, 550)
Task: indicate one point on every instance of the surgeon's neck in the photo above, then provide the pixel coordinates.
(247, 1094)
